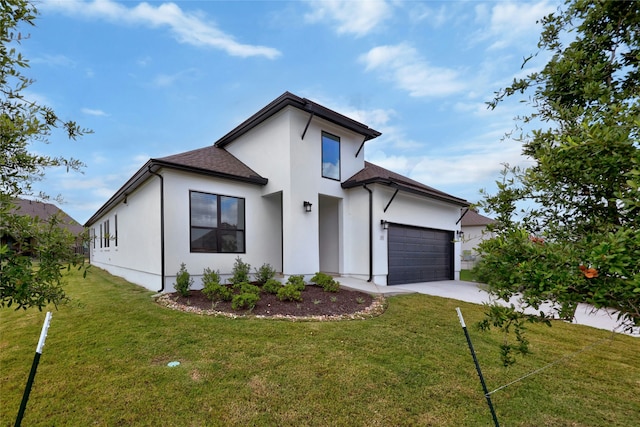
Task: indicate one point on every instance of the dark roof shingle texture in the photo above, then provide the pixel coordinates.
(44, 211)
(372, 173)
(473, 218)
(212, 159)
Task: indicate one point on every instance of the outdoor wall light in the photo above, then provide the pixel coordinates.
(384, 224)
(460, 234)
(307, 206)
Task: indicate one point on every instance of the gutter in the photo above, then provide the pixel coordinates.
(162, 259)
(370, 232)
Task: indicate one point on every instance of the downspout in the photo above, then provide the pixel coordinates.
(161, 226)
(370, 232)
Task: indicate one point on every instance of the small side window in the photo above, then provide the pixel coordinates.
(330, 156)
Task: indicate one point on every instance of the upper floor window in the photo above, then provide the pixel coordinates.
(330, 156)
(217, 223)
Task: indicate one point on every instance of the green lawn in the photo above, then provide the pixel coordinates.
(105, 364)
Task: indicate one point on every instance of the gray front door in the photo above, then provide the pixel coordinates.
(419, 254)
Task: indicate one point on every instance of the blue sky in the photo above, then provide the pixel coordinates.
(158, 78)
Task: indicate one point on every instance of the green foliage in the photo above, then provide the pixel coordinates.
(212, 288)
(328, 283)
(24, 122)
(183, 281)
(264, 273)
(272, 286)
(296, 281)
(289, 292)
(240, 273)
(249, 288)
(245, 300)
(32, 269)
(577, 239)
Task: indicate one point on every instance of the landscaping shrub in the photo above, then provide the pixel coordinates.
(246, 300)
(183, 281)
(297, 281)
(247, 288)
(272, 286)
(264, 273)
(212, 288)
(326, 282)
(240, 273)
(331, 286)
(289, 292)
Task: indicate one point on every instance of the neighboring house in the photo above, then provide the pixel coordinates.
(474, 227)
(44, 211)
(288, 187)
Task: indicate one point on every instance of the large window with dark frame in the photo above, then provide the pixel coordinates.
(330, 156)
(217, 223)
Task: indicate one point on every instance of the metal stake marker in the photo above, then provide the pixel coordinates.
(34, 367)
(475, 360)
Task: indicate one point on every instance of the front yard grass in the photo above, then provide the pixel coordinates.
(105, 364)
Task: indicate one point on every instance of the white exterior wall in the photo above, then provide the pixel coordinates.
(473, 235)
(258, 245)
(136, 257)
(407, 209)
(275, 149)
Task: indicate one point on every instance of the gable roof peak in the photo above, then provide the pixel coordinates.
(289, 99)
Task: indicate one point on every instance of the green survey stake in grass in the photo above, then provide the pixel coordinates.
(107, 365)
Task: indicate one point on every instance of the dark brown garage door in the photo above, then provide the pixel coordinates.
(419, 254)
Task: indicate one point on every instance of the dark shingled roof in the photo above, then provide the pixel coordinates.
(212, 161)
(44, 211)
(374, 174)
(472, 218)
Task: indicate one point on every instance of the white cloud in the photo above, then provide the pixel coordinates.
(404, 66)
(435, 17)
(55, 61)
(510, 22)
(94, 112)
(351, 17)
(187, 27)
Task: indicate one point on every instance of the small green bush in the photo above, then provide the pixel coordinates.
(247, 288)
(289, 293)
(183, 281)
(272, 286)
(326, 282)
(264, 273)
(297, 281)
(241, 272)
(245, 300)
(212, 288)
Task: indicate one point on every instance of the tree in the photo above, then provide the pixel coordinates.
(577, 240)
(22, 124)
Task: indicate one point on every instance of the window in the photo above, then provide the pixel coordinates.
(107, 238)
(93, 237)
(330, 156)
(101, 239)
(115, 225)
(217, 223)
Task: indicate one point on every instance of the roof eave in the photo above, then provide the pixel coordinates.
(390, 183)
(153, 164)
(304, 104)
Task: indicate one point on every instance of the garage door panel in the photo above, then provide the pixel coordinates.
(419, 254)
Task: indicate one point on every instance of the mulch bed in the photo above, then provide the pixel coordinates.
(316, 304)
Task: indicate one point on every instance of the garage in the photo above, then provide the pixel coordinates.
(419, 254)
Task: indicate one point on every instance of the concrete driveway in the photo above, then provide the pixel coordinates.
(472, 292)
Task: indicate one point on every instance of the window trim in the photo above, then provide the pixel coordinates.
(336, 139)
(219, 232)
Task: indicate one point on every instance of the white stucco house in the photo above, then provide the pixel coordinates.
(289, 187)
(474, 229)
